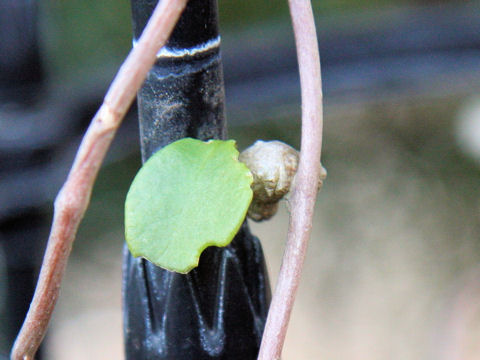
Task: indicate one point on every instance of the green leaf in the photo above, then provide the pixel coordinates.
(188, 196)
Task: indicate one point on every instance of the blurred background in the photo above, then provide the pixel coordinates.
(393, 269)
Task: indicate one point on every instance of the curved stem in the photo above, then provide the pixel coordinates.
(306, 181)
(73, 198)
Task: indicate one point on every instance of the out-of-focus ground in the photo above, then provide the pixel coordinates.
(392, 270)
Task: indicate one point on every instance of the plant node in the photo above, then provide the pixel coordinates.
(273, 165)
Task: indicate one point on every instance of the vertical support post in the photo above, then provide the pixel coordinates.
(218, 310)
(21, 232)
(21, 71)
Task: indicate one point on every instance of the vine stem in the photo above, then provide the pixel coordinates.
(72, 200)
(302, 201)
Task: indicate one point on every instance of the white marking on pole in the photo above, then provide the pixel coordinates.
(166, 52)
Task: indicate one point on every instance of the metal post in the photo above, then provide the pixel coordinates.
(218, 310)
(23, 227)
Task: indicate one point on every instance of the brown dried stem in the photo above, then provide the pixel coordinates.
(73, 198)
(302, 201)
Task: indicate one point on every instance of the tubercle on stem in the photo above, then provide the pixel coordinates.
(274, 166)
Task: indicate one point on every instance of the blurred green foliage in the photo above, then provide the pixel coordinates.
(79, 34)
(84, 33)
(236, 14)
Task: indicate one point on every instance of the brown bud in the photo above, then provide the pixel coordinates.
(273, 165)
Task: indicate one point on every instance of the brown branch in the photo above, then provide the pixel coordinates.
(73, 198)
(302, 201)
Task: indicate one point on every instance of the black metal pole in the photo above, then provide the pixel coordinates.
(23, 228)
(218, 310)
(21, 71)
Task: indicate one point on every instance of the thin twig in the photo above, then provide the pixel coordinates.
(73, 198)
(302, 201)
